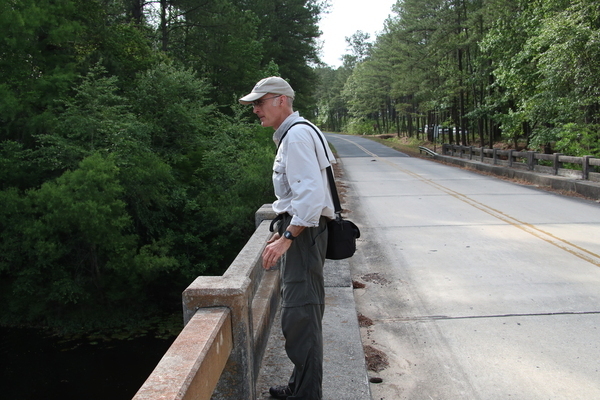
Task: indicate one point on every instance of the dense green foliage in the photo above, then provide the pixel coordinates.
(126, 167)
(486, 70)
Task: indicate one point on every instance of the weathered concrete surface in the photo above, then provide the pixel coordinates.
(344, 372)
(264, 308)
(251, 295)
(193, 364)
(478, 288)
(265, 212)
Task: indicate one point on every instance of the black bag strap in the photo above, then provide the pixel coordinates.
(334, 194)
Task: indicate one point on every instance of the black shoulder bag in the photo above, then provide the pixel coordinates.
(342, 233)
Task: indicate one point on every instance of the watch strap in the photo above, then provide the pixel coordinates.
(288, 235)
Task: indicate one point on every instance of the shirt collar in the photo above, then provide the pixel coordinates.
(285, 125)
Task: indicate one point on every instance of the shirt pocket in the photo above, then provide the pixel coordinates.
(280, 182)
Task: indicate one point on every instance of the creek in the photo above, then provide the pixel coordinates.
(36, 366)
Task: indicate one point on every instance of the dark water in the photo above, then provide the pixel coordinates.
(35, 366)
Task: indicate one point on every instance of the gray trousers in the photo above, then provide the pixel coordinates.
(303, 333)
(303, 304)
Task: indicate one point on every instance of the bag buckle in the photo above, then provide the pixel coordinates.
(278, 218)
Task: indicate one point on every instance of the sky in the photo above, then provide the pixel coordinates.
(344, 19)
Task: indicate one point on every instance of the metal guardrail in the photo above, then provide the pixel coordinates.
(423, 149)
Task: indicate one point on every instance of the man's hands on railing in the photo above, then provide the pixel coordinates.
(277, 246)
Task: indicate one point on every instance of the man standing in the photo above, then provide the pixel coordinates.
(304, 206)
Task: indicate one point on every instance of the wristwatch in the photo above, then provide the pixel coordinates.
(288, 235)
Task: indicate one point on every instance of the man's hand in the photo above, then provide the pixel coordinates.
(276, 247)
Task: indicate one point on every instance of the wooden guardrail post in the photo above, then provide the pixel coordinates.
(531, 161)
(556, 164)
(585, 170)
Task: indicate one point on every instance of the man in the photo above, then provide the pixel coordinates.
(304, 206)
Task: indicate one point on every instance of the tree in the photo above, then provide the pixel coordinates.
(217, 39)
(332, 111)
(360, 48)
(545, 65)
(566, 55)
(72, 244)
(47, 46)
(126, 172)
(288, 31)
(37, 64)
(174, 182)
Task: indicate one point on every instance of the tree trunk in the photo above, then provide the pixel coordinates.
(137, 11)
(164, 27)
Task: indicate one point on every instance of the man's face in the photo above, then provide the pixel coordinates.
(269, 110)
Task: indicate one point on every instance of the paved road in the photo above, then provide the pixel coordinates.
(478, 288)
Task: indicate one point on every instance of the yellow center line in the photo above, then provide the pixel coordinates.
(361, 147)
(548, 237)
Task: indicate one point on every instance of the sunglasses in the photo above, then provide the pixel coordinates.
(260, 102)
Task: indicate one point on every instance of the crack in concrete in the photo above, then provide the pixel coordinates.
(447, 317)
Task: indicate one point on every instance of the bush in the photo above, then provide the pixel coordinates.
(139, 194)
(360, 126)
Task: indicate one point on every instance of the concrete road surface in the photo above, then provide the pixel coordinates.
(477, 288)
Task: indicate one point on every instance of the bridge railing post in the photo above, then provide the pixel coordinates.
(236, 290)
(192, 366)
(227, 321)
(233, 293)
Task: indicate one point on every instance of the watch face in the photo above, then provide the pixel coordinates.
(288, 235)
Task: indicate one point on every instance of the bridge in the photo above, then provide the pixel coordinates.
(441, 286)
(228, 328)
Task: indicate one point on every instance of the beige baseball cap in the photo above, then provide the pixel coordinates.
(273, 84)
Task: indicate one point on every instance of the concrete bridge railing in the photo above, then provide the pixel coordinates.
(227, 323)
